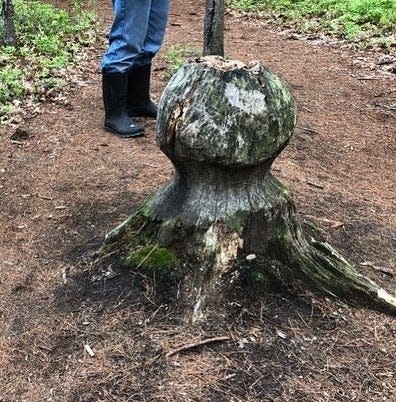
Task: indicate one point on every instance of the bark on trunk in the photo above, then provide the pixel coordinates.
(214, 28)
(222, 124)
(8, 22)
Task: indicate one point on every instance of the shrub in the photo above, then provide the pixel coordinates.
(48, 39)
(347, 18)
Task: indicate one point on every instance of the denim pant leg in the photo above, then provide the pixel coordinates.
(156, 31)
(127, 35)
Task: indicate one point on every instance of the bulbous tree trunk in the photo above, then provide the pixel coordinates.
(222, 123)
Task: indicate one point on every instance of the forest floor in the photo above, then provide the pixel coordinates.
(75, 328)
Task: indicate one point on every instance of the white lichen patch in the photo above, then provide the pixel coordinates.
(251, 102)
(240, 141)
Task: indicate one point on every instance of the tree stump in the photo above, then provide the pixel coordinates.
(222, 123)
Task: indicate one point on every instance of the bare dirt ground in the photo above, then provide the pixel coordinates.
(66, 182)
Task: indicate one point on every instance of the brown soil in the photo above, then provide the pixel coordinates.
(65, 182)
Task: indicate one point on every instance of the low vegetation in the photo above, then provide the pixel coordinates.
(48, 41)
(371, 22)
(52, 39)
(177, 54)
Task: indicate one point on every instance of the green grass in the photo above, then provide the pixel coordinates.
(351, 19)
(178, 54)
(48, 40)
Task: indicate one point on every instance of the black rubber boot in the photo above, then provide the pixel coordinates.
(117, 121)
(139, 102)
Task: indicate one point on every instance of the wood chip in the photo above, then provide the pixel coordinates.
(89, 350)
(311, 183)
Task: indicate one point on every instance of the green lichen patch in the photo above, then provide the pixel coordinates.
(147, 207)
(237, 221)
(151, 258)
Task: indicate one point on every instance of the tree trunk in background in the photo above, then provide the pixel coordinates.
(214, 28)
(8, 22)
(224, 215)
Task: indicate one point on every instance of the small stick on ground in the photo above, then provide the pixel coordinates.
(311, 183)
(308, 130)
(194, 345)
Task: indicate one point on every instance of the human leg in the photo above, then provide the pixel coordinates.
(126, 40)
(127, 35)
(139, 101)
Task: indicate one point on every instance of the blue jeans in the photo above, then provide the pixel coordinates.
(136, 34)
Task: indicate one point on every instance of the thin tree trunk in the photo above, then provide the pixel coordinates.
(214, 28)
(8, 21)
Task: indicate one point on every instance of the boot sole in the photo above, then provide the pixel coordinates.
(132, 135)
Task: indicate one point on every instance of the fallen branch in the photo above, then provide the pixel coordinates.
(311, 183)
(189, 346)
(308, 130)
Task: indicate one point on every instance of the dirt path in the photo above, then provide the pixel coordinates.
(70, 182)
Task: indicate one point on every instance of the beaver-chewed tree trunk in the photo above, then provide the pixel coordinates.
(222, 123)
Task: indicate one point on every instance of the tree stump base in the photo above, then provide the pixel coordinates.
(222, 123)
